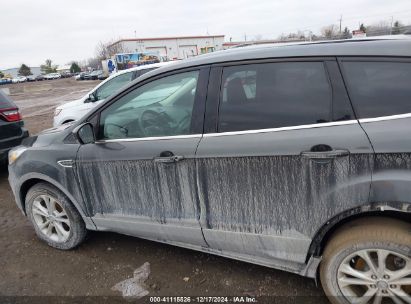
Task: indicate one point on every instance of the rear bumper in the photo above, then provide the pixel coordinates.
(9, 143)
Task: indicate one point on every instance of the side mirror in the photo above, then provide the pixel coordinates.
(91, 98)
(85, 133)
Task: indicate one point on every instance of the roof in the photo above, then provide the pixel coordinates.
(140, 67)
(168, 38)
(352, 47)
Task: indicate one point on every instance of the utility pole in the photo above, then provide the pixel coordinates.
(340, 23)
(392, 21)
(245, 37)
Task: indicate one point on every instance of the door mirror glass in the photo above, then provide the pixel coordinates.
(85, 133)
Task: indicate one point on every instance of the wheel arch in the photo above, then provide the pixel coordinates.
(32, 179)
(396, 210)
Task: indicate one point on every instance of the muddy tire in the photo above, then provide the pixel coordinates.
(369, 259)
(54, 218)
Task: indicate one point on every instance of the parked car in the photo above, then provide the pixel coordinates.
(39, 77)
(66, 75)
(294, 157)
(31, 78)
(93, 75)
(5, 81)
(19, 79)
(51, 76)
(74, 110)
(12, 130)
(102, 76)
(80, 76)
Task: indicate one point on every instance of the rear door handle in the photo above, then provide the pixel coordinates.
(325, 154)
(168, 159)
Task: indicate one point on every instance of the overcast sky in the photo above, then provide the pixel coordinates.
(33, 31)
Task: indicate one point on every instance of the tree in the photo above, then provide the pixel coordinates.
(74, 68)
(363, 28)
(346, 34)
(1, 74)
(330, 31)
(94, 63)
(24, 70)
(378, 29)
(104, 50)
(396, 29)
(48, 67)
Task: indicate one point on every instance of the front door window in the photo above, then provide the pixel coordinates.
(162, 107)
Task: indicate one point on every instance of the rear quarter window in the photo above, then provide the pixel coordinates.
(378, 88)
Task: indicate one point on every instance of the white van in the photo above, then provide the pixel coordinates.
(75, 109)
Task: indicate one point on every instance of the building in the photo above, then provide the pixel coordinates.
(64, 69)
(171, 47)
(14, 72)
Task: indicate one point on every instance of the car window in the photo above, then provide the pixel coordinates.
(379, 88)
(272, 95)
(162, 107)
(113, 85)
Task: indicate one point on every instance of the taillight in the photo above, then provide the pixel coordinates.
(11, 114)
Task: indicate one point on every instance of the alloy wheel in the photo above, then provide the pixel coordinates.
(51, 218)
(375, 276)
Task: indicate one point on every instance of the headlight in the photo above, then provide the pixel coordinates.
(14, 154)
(57, 111)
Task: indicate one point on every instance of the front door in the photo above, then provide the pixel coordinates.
(287, 155)
(139, 177)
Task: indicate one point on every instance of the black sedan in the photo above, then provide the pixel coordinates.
(12, 131)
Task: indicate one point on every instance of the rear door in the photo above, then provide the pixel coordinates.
(380, 89)
(282, 154)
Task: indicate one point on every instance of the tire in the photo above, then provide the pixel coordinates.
(372, 238)
(64, 216)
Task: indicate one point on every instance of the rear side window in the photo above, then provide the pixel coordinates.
(5, 101)
(273, 95)
(379, 88)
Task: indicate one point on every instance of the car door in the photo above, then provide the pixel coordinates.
(139, 177)
(282, 154)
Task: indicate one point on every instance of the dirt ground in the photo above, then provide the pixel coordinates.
(30, 271)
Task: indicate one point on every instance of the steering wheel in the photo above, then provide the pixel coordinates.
(116, 132)
(184, 125)
(154, 123)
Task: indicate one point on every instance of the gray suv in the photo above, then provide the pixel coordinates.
(293, 157)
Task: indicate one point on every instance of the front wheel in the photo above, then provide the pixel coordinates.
(54, 218)
(368, 261)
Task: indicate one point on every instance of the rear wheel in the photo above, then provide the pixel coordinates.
(368, 261)
(54, 218)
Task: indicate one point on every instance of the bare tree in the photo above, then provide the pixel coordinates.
(330, 31)
(380, 28)
(94, 63)
(105, 50)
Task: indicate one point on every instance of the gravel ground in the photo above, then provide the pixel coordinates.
(33, 272)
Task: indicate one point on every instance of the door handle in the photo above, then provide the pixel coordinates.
(325, 154)
(168, 159)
